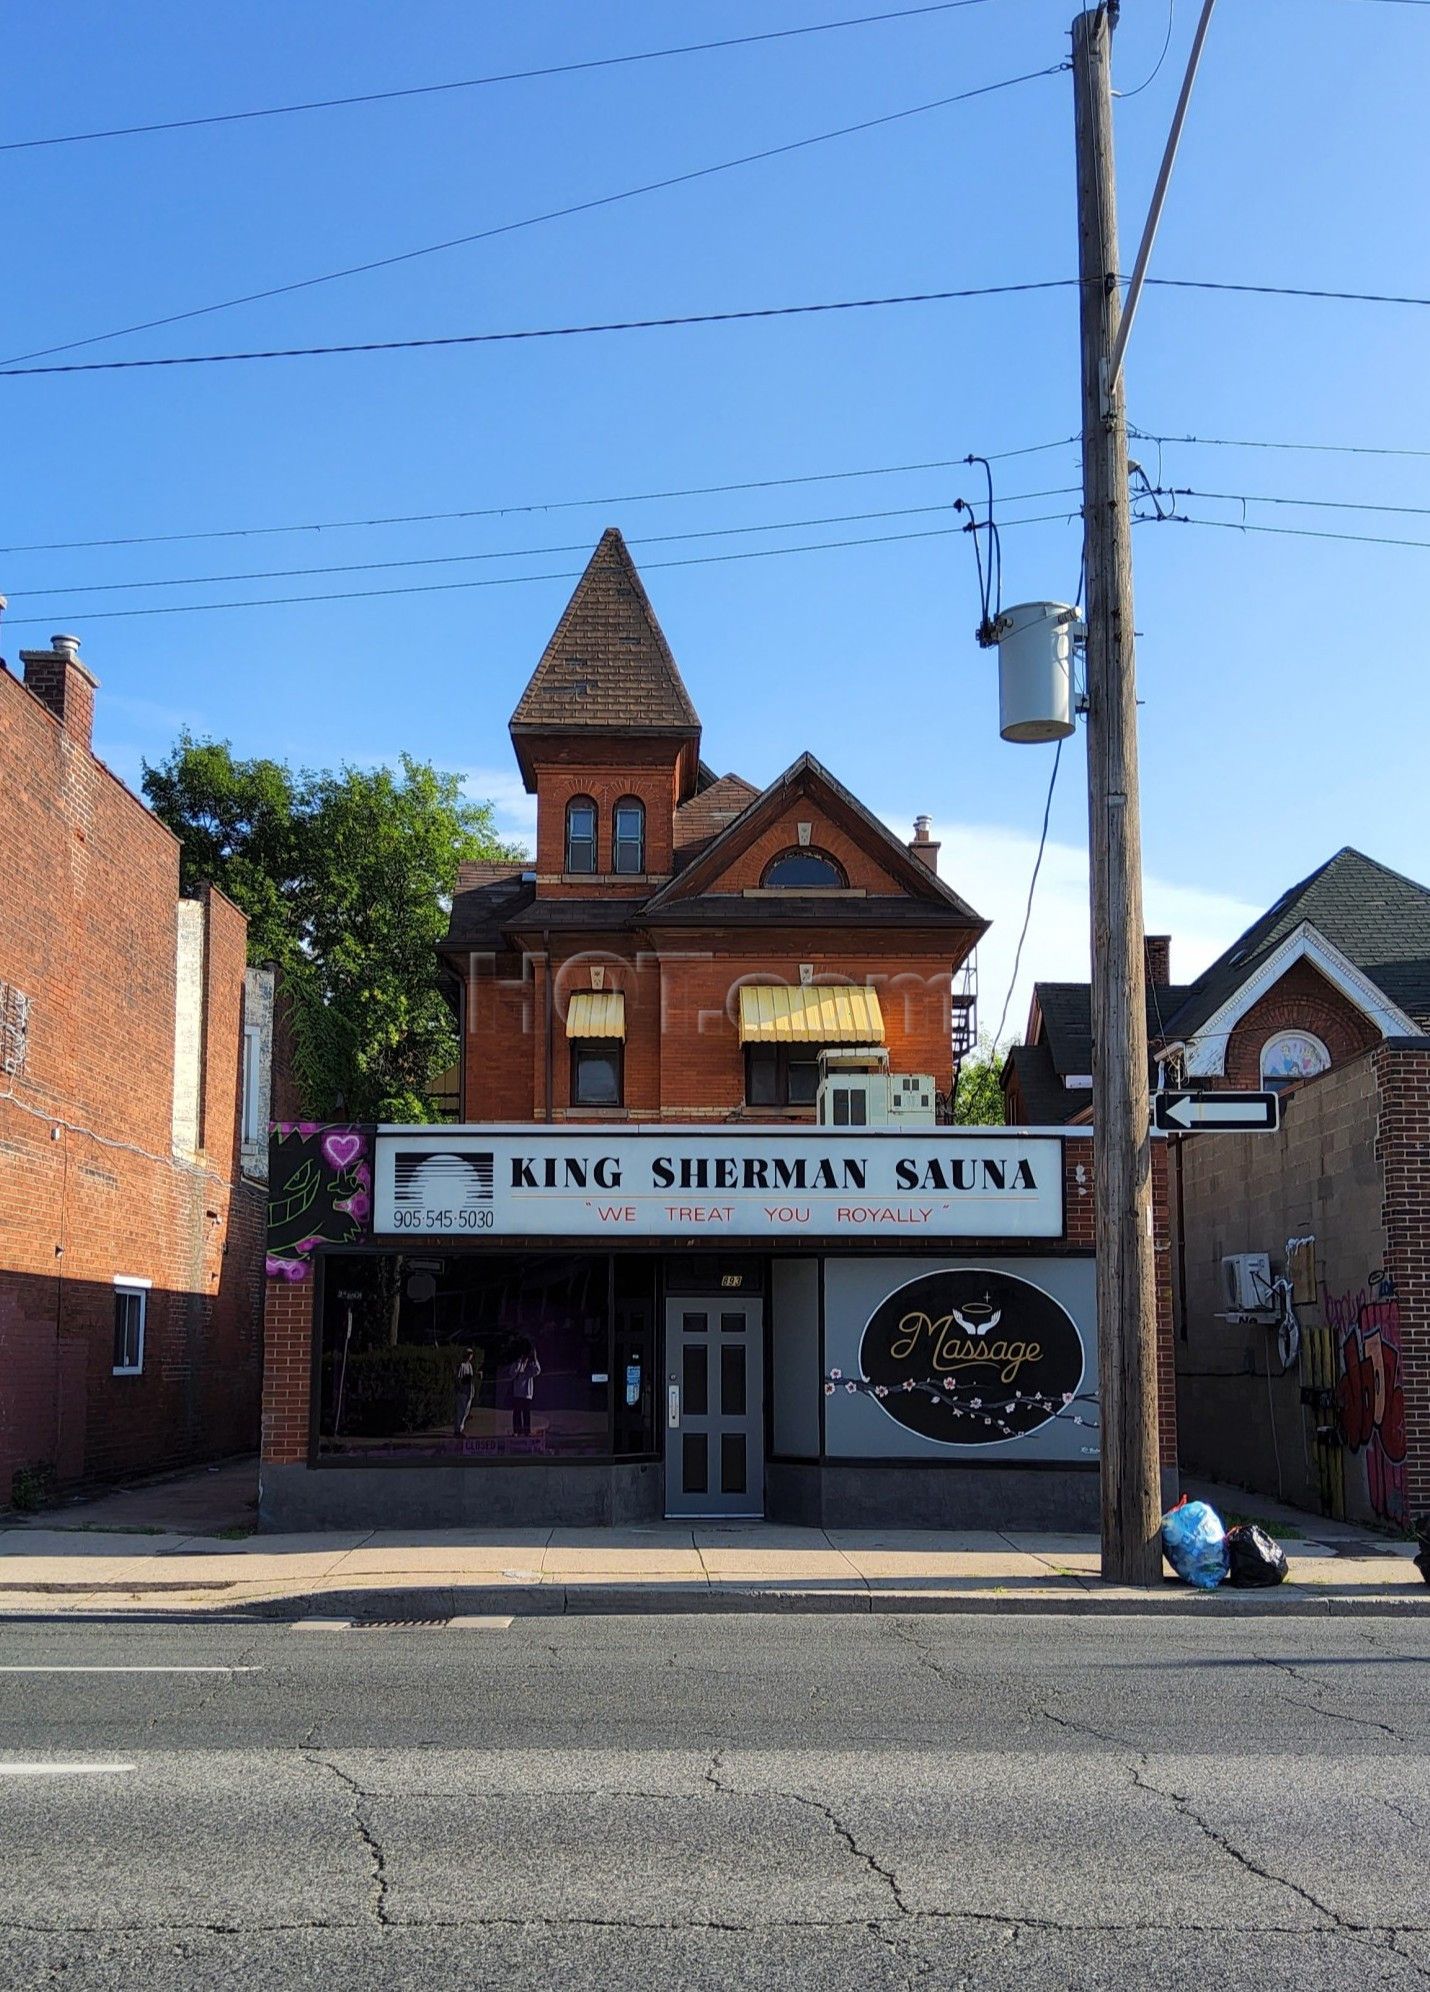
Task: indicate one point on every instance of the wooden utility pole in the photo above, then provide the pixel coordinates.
(1122, 1144)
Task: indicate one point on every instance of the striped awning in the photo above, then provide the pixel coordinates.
(777, 1015)
(596, 1013)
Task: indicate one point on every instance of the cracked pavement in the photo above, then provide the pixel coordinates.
(752, 1801)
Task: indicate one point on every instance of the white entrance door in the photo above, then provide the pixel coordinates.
(714, 1406)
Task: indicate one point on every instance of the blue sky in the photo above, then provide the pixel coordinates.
(1282, 677)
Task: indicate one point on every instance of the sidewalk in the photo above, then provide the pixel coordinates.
(98, 1562)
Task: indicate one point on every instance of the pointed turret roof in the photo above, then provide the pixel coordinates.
(608, 667)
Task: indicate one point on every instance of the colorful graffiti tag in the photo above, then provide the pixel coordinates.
(320, 1193)
(1370, 1394)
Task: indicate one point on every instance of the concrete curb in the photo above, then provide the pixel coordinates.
(598, 1600)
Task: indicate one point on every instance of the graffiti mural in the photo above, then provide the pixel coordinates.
(319, 1193)
(1370, 1393)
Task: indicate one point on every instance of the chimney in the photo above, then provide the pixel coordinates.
(1158, 957)
(67, 687)
(924, 847)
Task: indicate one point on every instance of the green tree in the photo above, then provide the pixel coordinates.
(346, 876)
(978, 1096)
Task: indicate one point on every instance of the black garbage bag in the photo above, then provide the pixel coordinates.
(1256, 1558)
(1422, 1536)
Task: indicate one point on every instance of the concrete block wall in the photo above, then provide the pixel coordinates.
(1323, 1176)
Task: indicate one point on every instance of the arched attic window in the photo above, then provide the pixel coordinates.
(580, 834)
(804, 868)
(628, 836)
(1292, 1055)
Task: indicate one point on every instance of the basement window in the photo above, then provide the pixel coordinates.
(131, 1306)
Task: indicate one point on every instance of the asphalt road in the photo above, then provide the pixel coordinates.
(716, 1802)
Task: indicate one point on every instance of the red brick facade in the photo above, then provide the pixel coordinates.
(91, 1184)
(1403, 1148)
(1302, 1000)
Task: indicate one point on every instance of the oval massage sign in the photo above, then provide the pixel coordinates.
(971, 1358)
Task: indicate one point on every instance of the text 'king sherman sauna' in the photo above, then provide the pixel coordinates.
(754, 1172)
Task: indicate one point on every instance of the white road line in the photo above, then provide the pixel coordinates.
(60, 1770)
(478, 1624)
(131, 1670)
(322, 1625)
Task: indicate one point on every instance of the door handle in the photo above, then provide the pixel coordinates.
(672, 1406)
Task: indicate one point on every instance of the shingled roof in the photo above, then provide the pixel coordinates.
(608, 667)
(1379, 919)
(710, 809)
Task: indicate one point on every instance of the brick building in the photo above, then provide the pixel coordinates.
(135, 1047)
(702, 1240)
(1311, 1380)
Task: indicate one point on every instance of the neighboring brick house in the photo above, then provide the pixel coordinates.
(135, 1049)
(1326, 1000)
(701, 1165)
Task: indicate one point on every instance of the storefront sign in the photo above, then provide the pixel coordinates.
(663, 1182)
(971, 1357)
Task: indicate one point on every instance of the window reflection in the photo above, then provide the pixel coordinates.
(485, 1357)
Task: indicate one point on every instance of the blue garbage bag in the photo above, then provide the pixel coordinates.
(1194, 1543)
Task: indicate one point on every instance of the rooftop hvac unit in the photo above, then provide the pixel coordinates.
(912, 1099)
(854, 1099)
(876, 1099)
(1246, 1279)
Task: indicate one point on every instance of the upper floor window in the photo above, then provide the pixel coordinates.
(780, 1075)
(628, 836)
(804, 868)
(1292, 1055)
(597, 1073)
(581, 834)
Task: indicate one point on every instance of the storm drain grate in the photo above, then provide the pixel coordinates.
(401, 1625)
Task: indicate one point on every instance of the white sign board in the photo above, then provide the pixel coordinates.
(668, 1182)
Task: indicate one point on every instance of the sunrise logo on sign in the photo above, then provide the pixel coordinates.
(972, 1358)
(447, 1182)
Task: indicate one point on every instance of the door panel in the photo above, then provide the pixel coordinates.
(715, 1438)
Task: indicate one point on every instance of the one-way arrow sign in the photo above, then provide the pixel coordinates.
(1222, 1113)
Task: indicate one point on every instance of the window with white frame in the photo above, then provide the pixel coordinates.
(1292, 1055)
(131, 1306)
(253, 1120)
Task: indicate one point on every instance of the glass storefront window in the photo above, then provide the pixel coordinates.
(485, 1357)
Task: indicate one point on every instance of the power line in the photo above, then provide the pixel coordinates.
(1307, 504)
(1261, 443)
(549, 505)
(536, 220)
(1290, 290)
(70, 588)
(1032, 887)
(1291, 532)
(482, 82)
(516, 580)
(12, 370)
(8, 372)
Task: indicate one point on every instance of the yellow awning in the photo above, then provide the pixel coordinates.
(596, 1013)
(810, 1016)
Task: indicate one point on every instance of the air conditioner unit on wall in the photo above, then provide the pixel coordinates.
(1246, 1281)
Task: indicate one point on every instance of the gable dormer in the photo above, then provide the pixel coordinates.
(606, 736)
